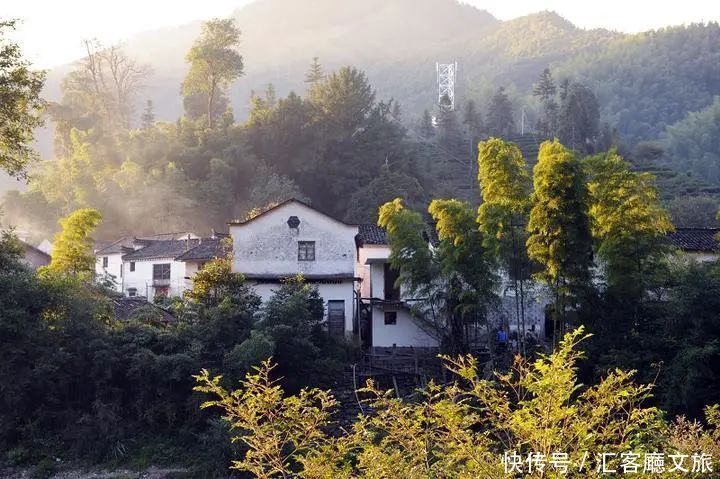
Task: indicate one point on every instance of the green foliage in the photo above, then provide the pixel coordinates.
(21, 104)
(390, 184)
(694, 211)
(74, 386)
(215, 280)
(505, 185)
(73, 246)
(693, 145)
(458, 430)
(456, 278)
(578, 118)
(315, 72)
(545, 90)
(627, 221)
(214, 63)
(559, 226)
(500, 120)
(631, 73)
(292, 322)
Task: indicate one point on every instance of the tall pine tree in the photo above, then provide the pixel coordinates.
(500, 120)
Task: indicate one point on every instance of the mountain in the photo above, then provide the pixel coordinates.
(644, 82)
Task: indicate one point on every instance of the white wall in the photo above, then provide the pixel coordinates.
(114, 268)
(142, 278)
(372, 285)
(406, 331)
(329, 292)
(267, 245)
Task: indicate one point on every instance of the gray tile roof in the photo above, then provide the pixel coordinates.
(124, 308)
(208, 249)
(371, 234)
(123, 245)
(699, 240)
(161, 249)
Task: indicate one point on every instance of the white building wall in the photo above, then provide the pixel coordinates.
(405, 332)
(113, 269)
(267, 245)
(142, 278)
(329, 292)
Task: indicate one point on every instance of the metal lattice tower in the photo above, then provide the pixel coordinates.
(446, 84)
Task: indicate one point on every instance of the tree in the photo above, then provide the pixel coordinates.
(427, 130)
(694, 143)
(470, 427)
(73, 247)
(342, 101)
(472, 119)
(214, 62)
(102, 88)
(500, 120)
(390, 184)
(694, 211)
(291, 324)
(559, 226)
(148, 117)
(628, 223)
(545, 91)
(579, 118)
(215, 280)
(22, 106)
(450, 135)
(315, 72)
(396, 110)
(456, 278)
(502, 215)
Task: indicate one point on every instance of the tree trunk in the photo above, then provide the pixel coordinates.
(211, 99)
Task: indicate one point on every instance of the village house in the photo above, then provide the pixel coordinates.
(33, 256)
(156, 265)
(348, 263)
(700, 244)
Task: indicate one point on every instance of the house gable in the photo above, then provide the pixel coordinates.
(294, 238)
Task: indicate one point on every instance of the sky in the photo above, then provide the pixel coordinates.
(52, 31)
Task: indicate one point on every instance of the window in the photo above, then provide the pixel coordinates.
(105, 261)
(306, 251)
(132, 266)
(132, 292)
(161, 271)
(390, 317)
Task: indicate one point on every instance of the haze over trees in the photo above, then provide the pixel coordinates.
(21, 105)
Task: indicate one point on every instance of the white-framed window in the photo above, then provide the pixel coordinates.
(105, 261)
(132, 292)
(390, 318)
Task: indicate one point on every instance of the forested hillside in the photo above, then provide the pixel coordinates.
(374, 130)
(397, 44)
